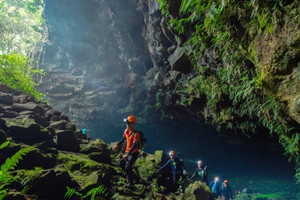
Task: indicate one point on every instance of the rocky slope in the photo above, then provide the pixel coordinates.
(58, 156)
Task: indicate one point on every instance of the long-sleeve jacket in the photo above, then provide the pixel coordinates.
(226, 191)
(201, 173)
(215, 187)
(176, 165)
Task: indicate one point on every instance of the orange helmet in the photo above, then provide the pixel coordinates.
(130, 119)
(225, 181)
(171, 153)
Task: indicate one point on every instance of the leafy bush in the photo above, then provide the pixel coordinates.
(22, 28)
(16, 73)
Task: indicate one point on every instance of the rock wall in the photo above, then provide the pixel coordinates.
(28, 121)
(95, 59)
(107, 59)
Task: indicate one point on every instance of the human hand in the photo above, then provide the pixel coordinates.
(184, 172)
(125, 157)
(115, 148)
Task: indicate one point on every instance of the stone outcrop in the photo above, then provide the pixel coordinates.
(28, 121)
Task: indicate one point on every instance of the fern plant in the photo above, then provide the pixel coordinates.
(92, 193)
(10, 164)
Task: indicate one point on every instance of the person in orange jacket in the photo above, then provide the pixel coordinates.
(131, 154)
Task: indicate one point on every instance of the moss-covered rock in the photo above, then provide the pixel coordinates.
(51, 184)
(198, 191)
(97, 151)
(158, 156)
(25, 129)
(66, 140)
(146, 167)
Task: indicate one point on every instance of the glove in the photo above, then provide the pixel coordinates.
(184, 172)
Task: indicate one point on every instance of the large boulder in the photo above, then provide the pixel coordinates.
(198, 191)
(97, 151)
(63, 125)
(51, 184)
(30, 106)
(35, 158)
(40, 119)
(66, 140)
(52, 115)
(25, 129)
(6, 89)
(179, 61)
(6, 99)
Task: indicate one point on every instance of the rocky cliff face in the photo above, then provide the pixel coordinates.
(107, 59)
(95, 60)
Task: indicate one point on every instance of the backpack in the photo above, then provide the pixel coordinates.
(143, 140)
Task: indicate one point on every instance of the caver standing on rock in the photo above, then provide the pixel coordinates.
(84, 130)
(215, 186)
(200, 172)
(225, 191)
(178, 170)
(132, 138)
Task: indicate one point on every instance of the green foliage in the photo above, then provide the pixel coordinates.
(10, 164)
(16, 73)
(233, 84)
(164, 7)
(266, 196)
(27, 176)
(101, 190)
(4, 144)
(22, 27)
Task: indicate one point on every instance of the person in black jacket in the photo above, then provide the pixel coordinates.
(178, 170)
(200, 172)
(225, 191)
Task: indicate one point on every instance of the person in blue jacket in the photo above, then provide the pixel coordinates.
(84, 130)
(215, 186)
(201, 172)
(177, 169)
(225, 191)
